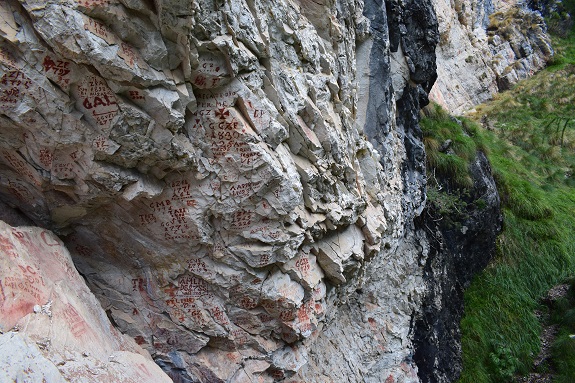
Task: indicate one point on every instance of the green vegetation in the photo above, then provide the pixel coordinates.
(564, 52)
(563, 350)
(559, 15)
(449, 147)
(533, 157)
(450, 144)
(529, 136)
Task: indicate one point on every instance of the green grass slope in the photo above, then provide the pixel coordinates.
(528, 134)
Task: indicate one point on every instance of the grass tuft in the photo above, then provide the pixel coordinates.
(449, 146)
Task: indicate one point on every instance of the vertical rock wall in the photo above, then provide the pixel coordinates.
(236, 180)
(462, 242)
(369, 334)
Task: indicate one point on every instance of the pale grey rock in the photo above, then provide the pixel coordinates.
(22, 360)
(368, 344)
(476, 58)
(340, 253)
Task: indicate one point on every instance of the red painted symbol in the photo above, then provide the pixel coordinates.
(48, 241)
(222, 113)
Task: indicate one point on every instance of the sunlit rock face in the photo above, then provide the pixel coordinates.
(52, 328)
(236, 181)
(485, 46)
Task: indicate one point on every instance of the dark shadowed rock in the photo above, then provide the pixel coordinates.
(461, 245)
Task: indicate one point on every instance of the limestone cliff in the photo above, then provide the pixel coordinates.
(236, 180)
(485, 46)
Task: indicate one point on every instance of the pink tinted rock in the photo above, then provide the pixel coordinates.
(54, 328)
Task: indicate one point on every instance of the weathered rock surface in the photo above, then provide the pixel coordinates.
(52, 328)
(485, 46)
(236, 181)
(461, 245)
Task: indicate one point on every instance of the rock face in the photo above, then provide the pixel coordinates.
(236, 181)
(485, 46)
(461, 245)
(52, 328)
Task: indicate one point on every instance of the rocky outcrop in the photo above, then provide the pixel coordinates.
(520, 45)
(237, 181)
(462, 242)
(485, 46)
(52, 328)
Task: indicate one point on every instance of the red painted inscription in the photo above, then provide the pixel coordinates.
(98, 100)
(21, 167)
(46, 158)
(14, 85)
(146, 219)
(93, 3)
(136, 95)
(241, 219)
(78, 325)
(60, 69)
